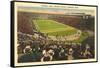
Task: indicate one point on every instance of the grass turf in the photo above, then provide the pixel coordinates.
(53, 28)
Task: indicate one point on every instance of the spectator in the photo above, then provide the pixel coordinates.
(70, 54)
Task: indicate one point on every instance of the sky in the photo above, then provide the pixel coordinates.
(55, 8)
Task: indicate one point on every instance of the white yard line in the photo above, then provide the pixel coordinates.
(37, 27)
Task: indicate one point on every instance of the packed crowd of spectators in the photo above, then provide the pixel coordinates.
(38, 48)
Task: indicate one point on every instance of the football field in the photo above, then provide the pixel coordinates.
(54, 28)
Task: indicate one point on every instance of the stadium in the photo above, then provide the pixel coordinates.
(58, 34)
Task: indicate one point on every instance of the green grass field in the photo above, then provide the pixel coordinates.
(53, 28)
